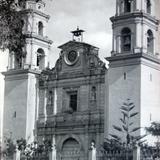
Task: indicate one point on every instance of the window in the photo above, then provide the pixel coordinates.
(126, 39)
(40, 28)
(125, 76)
(150, 42)
(15, 114)
(150, 77)
(40, 58)
(127, 6)
(73, 101)
(148, 6)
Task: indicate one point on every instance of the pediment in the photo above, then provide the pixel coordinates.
(77, 59)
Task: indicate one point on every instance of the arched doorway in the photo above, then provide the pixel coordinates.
(71, 150)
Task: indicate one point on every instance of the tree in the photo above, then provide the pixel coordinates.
(154, 130)
(27, 151)
(126, 128)
(11, 36)
(11, 27)
(9, 149)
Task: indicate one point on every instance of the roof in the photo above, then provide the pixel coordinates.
(76, 43)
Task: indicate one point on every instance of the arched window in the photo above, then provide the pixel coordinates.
(40, 58)
(127, 6)
(40, 28)
(126, 39)
(148, 6)
(150, 42)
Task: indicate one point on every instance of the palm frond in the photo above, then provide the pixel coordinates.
(133, 114)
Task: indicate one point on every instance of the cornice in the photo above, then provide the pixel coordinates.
(134, 59)
(26, 11)
(14, 72)
(74, 82)
(39, 38)
(134, 15)
(79, 120)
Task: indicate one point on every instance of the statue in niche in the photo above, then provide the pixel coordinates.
(50, 98)
(49, 106)
(92, 155)
(93, 93)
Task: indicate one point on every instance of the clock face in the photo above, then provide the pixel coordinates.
(71, 57)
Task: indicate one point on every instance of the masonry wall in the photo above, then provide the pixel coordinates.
(118, 90)
(150, 96)
(20, 105)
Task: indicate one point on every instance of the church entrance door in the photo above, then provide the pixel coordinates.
(71, 150)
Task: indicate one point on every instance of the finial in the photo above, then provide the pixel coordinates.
(78, 34)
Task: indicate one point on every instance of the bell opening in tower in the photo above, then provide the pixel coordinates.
(150, 42)
(40, 28)
(127, 6)
(148, 6)
(126, 39)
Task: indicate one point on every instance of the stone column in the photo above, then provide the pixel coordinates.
(45, 104)
(118, 44)
(137, 40)
(117, 7)
(55, 101)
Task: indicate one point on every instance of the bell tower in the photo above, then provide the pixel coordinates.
(21, 78)
(37, 46)
(134, 64)
(135, 27)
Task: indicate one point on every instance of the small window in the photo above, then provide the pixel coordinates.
(127, 6)
(150, 42)
(126, 39)
(125, 76)
(150, 77)
(15, 114)
(40, 28)
(148, 6)
(73, 101)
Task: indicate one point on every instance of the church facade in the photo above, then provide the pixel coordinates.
(76, 103)
(71, 100)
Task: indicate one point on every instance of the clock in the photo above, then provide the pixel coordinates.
(71, 57)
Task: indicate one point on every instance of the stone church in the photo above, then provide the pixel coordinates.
(76, 103)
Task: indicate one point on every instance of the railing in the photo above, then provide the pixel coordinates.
(36, 156)
(116, 155)
(146, 153)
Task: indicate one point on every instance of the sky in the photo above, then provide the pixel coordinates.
(65, 15)
(90, 15)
